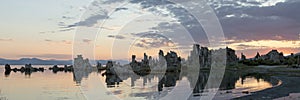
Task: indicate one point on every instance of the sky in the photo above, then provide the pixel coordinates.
(117, 29)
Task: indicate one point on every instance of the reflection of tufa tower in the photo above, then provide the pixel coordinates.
(82, 68)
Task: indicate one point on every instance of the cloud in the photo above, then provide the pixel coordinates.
(260, 44)
(119, 9)
(112, 1)
(64, 30)
(66, 42)
(61, 24)
(116, 36)
(67, 17)
(242, 20)
(150, 40)
(58, 31)
(59, 42)
(2, 39)
(97, 13)
(49, 56)
(48, 40)
(45, 32)
(86, 40)
(250, 53)
(90, 21)
(261, 22)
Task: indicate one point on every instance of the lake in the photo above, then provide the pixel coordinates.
(95, 85)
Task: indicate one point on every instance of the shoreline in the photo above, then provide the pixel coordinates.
(290, 83)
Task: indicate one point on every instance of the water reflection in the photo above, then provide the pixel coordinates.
(169, 80)
(233, 80)
(112, 80)
(42, 85)
(80, 73)
(7, 73)
(157, 85)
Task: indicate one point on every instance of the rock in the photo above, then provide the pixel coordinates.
(271, 58)
(15, 69)
(228, 91)
(22, 69)
(274, 56)
(173, 61)
(7, 67)
(245, 92)
(28, 66)
(257, 56)
(231, 57)
(140, 68)
(109, 68)
(81, 63)
(41, 69)
(203, 56)
(56, 69)
(243, 57)
(7, 73)
(68, 68)
(99, 66)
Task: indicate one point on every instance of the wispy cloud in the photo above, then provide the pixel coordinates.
(48, 40)
(116, 36)
(68, 42)
(57, 31)
(122, 8)
(3, 39)
(260, 44)
(49, 56)
(153, 40)
(86, 41)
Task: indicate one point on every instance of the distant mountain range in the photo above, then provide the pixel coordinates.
(37, 61)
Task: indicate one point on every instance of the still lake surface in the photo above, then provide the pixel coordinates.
(93, 85)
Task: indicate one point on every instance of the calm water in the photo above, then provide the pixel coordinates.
(95, 85)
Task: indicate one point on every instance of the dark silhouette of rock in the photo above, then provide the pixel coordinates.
(28, 69)
(112, 80)
(271, 58)
(231, 57)
(7, 70)
(243, 57)
(169, 80)
(173, 61)
(41, 69)
(140, 68)
(257, 56)
(274, 56)
(298, 61)
(109, 68)
(7, 73)
(245, 92)
(99, 66)
(66, 68)
(7, 67)
(202, 56)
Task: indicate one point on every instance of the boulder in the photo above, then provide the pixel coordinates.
(7, 67)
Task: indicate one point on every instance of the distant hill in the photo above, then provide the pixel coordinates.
(34, 61)
(37, 61)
